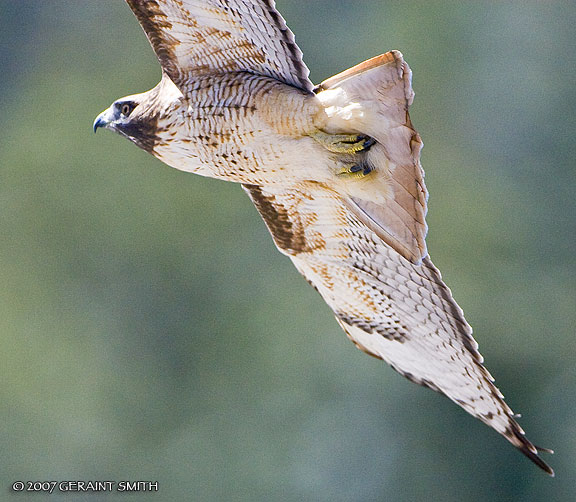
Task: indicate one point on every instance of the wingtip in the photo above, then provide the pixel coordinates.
(531, 451)
(538, 461)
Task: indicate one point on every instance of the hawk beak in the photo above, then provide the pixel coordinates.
(102, 120)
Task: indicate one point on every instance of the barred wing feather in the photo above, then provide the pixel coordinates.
(198, 37)
(389, 307)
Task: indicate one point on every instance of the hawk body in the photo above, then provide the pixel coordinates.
(244, 128)
(334, 170)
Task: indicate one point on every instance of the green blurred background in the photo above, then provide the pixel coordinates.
(151, 331)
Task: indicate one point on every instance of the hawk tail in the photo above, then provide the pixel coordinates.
(373, 98)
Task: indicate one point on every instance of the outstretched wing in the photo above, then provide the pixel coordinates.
(390, 308)
(199, 37)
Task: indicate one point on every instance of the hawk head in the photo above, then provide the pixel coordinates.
(136, 117)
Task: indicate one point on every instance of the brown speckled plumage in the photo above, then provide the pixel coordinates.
(235, 103)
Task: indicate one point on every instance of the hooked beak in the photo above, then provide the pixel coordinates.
(103, 120)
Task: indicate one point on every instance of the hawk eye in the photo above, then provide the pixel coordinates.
(126, 109)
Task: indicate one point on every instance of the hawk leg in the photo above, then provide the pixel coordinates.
(343, 143)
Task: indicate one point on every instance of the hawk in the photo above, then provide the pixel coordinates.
(334, 171)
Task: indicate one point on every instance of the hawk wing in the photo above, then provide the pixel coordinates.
(389, 307)
(199, 37)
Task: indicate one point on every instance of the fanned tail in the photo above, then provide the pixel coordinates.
(373, 98)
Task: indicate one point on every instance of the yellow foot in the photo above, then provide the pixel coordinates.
(355, 171)
(343, 143)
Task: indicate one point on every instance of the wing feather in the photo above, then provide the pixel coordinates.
(215, 36)
(389, 307)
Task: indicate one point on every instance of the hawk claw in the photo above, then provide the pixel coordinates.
(369, 142)
(344, 143)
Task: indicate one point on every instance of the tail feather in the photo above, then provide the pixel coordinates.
(372, 98)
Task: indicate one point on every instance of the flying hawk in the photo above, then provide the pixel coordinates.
(333, 169)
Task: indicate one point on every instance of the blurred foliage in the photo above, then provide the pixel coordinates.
(151, 331)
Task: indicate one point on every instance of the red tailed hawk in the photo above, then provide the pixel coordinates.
(334, 170)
